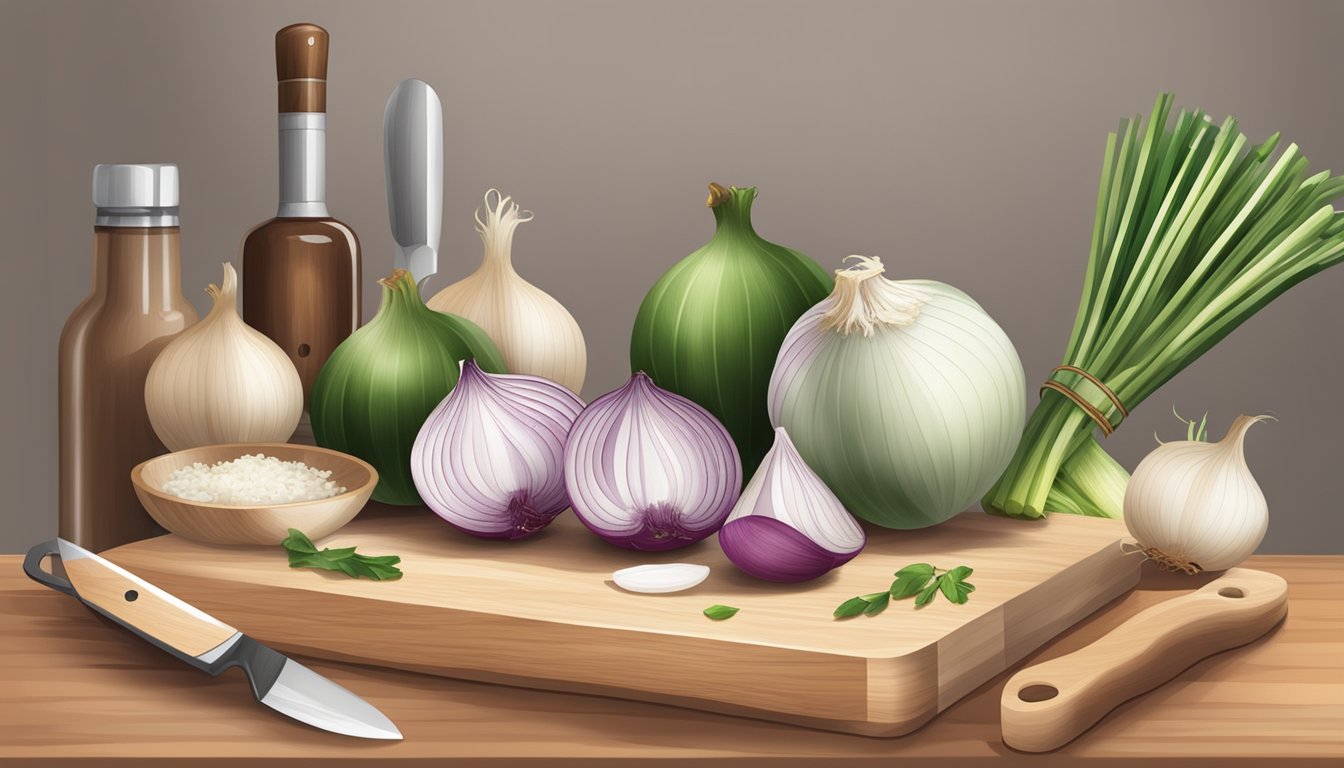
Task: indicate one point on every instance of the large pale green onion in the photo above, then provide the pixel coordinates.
(905, 397)
(376, 390)
(1196, 230)
(710, 328)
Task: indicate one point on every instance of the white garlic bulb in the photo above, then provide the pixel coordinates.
(534, 332)
(222, 381)
(1194, 506)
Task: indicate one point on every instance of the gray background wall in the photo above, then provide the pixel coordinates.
(959, 141)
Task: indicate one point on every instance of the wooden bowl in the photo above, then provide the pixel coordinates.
(267, 524)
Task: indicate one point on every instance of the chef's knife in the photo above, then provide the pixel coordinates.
(205, 642)
(413, 155)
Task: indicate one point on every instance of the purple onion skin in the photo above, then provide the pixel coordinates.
(774, 551)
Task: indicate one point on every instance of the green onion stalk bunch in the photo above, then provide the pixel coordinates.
(1195, 231)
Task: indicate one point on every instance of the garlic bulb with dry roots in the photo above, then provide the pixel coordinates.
(1194, 506)
(221, 381)
(535, 333)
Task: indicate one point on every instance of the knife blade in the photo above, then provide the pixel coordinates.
(205, 642)
(413, 157)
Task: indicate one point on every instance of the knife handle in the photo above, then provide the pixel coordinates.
(32, 565)
(134, 603)
(1048, 705)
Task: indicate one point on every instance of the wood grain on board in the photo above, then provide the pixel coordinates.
(542, 613)
(75, 690)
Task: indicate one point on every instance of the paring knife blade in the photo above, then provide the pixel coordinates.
(413, 157)
(205, 642)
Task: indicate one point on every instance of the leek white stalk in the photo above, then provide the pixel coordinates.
(905, 397)
(221, 381)
(1194, 506)
(534, 332)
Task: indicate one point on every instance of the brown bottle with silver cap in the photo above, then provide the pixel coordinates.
(301, 269)
(107, 346)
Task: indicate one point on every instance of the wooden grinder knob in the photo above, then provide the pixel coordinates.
(301, 67)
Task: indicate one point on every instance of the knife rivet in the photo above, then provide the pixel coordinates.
(131, 595)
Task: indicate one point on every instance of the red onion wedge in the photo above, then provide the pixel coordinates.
(650, 470)
(489, 459)
(788, 526)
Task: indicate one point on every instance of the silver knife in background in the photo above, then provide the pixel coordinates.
(205, 642)
(413, 156)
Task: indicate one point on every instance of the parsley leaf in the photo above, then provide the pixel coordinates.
(866, 604)
(960, 572)
(851, 608)
(296, 542)
(921, 581)
(949, 589)
(878, 604)
(926, 596)
(303, 553)
(910, 580)
(721, 612)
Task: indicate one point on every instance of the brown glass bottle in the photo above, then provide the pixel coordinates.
(301, 269)
(107, 347)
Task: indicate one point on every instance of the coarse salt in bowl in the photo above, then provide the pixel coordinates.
(251, 479)
(253, 493)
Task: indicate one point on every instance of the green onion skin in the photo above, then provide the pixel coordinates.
(711, 327)
(378, 387)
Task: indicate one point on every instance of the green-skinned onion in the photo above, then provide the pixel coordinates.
(378, 387)
(711, 327)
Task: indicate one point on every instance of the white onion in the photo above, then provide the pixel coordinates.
(647, 469)
(489, 457)
(905, 397)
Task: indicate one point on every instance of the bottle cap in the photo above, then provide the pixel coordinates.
(301, 68)
(135, 185)
(136, 194)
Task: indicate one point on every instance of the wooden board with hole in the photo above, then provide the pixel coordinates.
(543, 613)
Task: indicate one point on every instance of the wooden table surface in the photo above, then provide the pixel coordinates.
(76, 690)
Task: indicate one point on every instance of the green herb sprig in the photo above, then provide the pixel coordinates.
(721, 612)
(920, 581)
(303, 553)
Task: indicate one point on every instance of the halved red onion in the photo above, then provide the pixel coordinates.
(489, 459)
(648, 469)
(788, 526)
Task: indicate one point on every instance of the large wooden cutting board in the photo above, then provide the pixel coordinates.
(544, 613)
